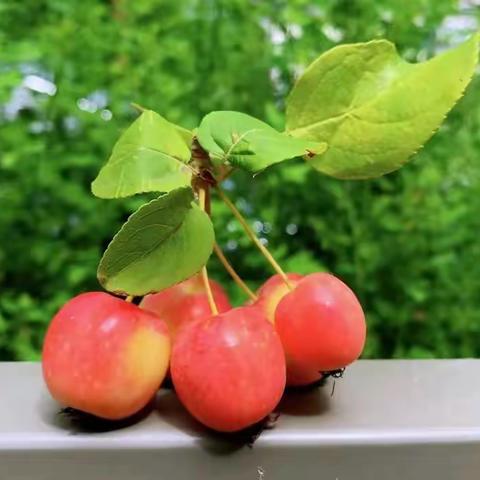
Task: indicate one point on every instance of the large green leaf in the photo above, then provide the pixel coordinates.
(248, 143)
(373, 108)
(162, 243)
(187, 135)
(151, 156)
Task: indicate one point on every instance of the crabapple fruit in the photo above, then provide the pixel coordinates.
(269, 296)
(105, 356)
(272, 291)
(185, 302)
(229, 369)
(321, 324)
(298, 376)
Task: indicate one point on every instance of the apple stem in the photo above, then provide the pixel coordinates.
(208, 290)
(253, 237)
(129, 298)
(218, 251)
(202, 195)
(235, 276)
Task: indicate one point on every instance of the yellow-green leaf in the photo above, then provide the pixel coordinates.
(373, 108)
(150, 156)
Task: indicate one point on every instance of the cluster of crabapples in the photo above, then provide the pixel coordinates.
(108, 357)
(230, 366)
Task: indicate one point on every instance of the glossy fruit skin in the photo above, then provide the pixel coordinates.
(321, 324)
(298, 376)
(229, 370)
(104, 356)
(272, 291)
(185, 302)
(269, 296)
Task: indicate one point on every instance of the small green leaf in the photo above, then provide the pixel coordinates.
(248, 143)
(162, 243)
(150, 156)
(373, 108)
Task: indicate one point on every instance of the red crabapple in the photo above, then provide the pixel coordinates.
(185, 302)
(269, 296)
(229, 370)
(272, 291)
(105, 356)
(301, 376)
(321, 324)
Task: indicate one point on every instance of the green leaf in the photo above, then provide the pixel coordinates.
(187, 135)
(373, 108)
(150, 156)
(248, 143)
(162, 243)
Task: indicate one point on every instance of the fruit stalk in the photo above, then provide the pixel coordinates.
(253, 237)
(218, 251)
(202, 195)
(235, 276)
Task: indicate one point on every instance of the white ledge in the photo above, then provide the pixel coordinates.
(389, 420)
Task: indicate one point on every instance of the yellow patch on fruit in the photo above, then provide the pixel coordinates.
(274, 299)
(147, 356)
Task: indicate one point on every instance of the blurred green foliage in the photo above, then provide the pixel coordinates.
(407, 243)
